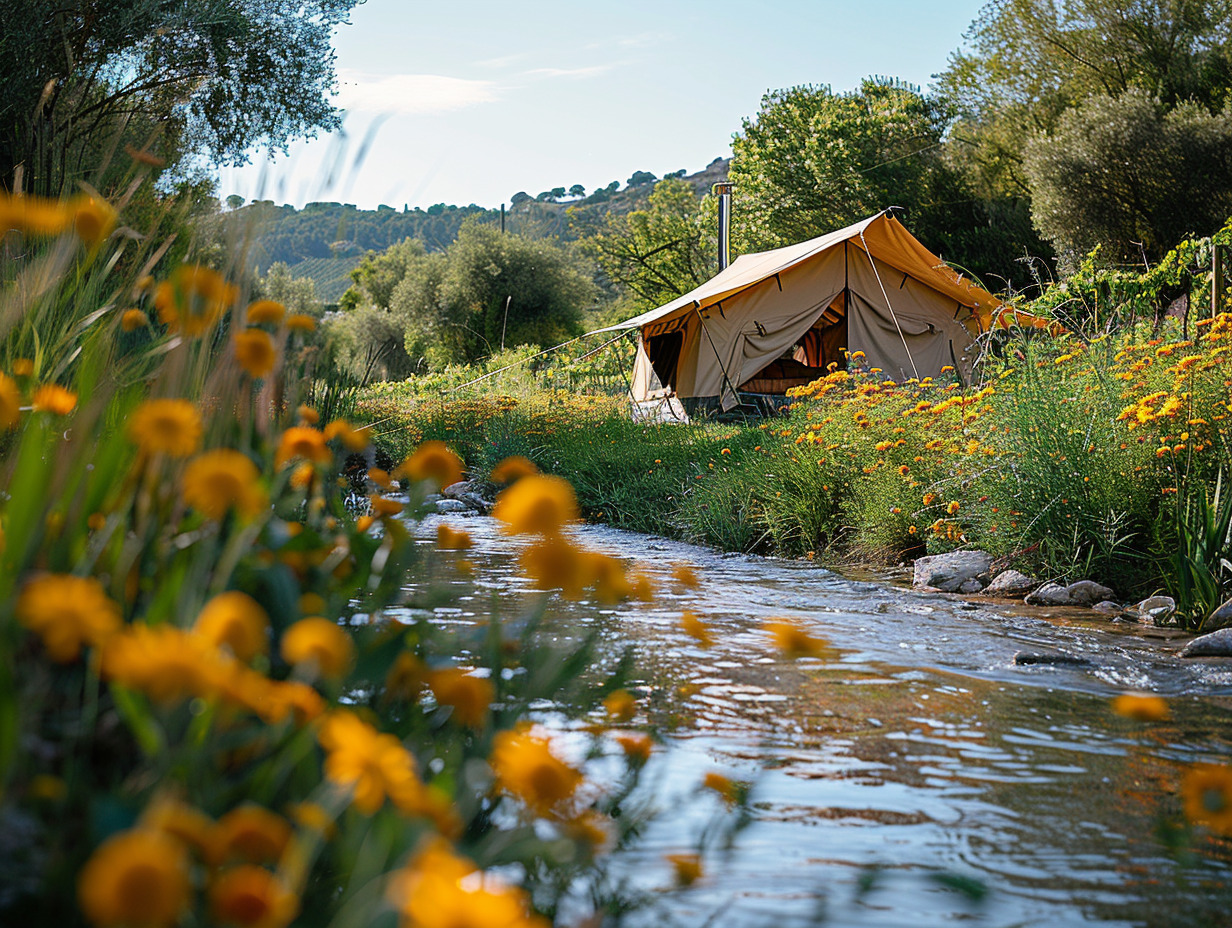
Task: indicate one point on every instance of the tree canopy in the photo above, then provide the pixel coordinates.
(208, 79)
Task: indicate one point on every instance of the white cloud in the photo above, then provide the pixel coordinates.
(590, 71)
(411, 94)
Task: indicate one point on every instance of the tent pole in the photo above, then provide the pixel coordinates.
(915, 370)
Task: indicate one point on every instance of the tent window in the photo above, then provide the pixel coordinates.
(664, 353)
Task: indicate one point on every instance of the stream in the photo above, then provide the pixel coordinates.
(914, 775)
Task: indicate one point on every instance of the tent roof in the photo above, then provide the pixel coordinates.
(881, 235)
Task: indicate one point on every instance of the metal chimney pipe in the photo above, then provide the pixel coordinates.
(723, 192)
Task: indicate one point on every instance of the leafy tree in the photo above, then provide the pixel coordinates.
(213, 77)
(812, 161)
(577, 190)
(520, 197)
(1127, 174)
(1027, 62)
(379, 274)
(235, 201)
(456, 306)
(660, 252)
(298, 295)
(641, 177)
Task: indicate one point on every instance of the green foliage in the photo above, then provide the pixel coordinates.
(812, 161)
(211, 78)
(1129, 175)
(1201, 569)
(660, 252)
(1027, 61)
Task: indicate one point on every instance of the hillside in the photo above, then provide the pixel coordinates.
(325, 241)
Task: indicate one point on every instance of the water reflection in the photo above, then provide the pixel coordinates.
(911, 757)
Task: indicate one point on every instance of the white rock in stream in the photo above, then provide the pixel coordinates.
(1216, 644)
(949, 572)
(1011, 583)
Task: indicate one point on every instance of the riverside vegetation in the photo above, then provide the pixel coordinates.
(1100, 453)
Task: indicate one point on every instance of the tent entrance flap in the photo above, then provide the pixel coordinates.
(664, 353)
(822, 344)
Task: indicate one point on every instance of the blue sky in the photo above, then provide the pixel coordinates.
(461, 101)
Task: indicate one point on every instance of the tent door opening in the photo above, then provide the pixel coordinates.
(664, 353)
(822, 344)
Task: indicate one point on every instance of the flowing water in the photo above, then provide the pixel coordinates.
(914, 774)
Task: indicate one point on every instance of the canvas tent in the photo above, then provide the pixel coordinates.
(775, 319)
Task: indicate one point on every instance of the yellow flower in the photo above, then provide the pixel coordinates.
(265, 312)
(525, 767)
(188, 825)
(308, 415)
(251, 897)
(433, 461)
(54, 399)
(67, 612)
(442, 890)
(728, 791)
(512, 469)
(301, 322)
(254, 352)
(382, 506)
(468, 695)
(792, 640)
(133, 319)
(686, 576)
(449, 539)
(554, 563)
(695, 628)
(23, 367)
(686, 867)
(303, 443)
(10, 402)
(406, 677)
(320, 641)
(637, 746)
(929, 498)
(236, 620)
(33, 216)
(93, 218)
(193, 299)
(136, 879)
(537, 505)
(381, 478)
(172, 427)
(217, 481)
(952, 508)
(354, 439)
(167, 663)
(1143, 707)
(620, 705)
(1207, 793)
(606, 574)
(252, 834)
(369, 763)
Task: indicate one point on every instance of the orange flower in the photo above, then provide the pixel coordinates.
(67, 612)
(685, 576)
(301, 322)
(695, 628)
(792, 640)
(93, 218)
(433, 461)
(687, 867)
(133, 319)
(382, 506)
(537, 504)
(512, 469)
(217, 481)
(369, 763)
(637, 746)
(1142, 707)
(54, 399)
(135, 878)
(23, 367)
(554, 563)
(10, 402)
(468, 695)
(354, 439)
(265, 312)
(620, 705)
(172, 427)
(193, 299)
(1207, 793)
(320, 642)
(251, 897)
(449, 539)
(254, 352)
(525, 767)
(728, 791)
(302, 442)
(236, 620)
(252, 834)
